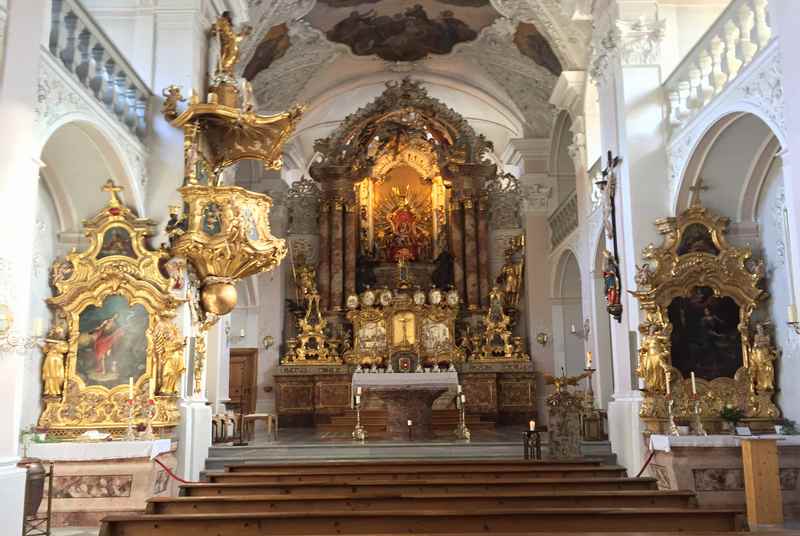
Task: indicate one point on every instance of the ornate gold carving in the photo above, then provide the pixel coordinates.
(229, 41)
(695, 254)
(510, 278)
(496, 343)
(312, 347)
(118, 266)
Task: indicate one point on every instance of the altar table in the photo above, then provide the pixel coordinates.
(408, 396)
(711, 466)
(94, 479)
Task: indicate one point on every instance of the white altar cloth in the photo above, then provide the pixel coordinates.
(405, 379)
(73, 451)
(665, 443)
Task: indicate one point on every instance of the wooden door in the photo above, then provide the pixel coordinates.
(243, 379)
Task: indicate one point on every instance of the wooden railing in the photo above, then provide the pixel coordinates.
(735, 38)
(92, 58)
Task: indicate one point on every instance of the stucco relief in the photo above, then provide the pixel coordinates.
(764, 89)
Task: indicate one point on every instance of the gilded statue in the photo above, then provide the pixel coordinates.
(169, 347)
(172, 96)
(55, 348)
(305, 276)
(228, 43)
(762, 356)
(510, 278)
(654, 356)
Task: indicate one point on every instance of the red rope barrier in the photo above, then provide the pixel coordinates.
(649, 459)
(173, 475)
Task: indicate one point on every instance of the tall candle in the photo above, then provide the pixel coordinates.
(358, 399)
(130, 388)
(410, 423)
(588, 360)
(791, 314)
(358, 390)
(152, 386)
(694, 385)
(532, 425)
(667, 375)
(38, 327)
(463, 398)
(458, 387)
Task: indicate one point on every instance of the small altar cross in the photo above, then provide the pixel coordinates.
(698, 187)
(404, 321)
(112, 190)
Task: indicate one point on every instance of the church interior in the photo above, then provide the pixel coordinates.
(399, 267)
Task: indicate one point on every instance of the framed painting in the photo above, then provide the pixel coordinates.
(114, 309)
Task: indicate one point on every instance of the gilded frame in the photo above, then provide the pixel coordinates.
(88, 278)
(669, 273)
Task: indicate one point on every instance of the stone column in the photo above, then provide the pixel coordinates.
(350, 247)
(457, 243)
(19, 187)
(324, 268)
(337, 253)
(485, 276)
(471, 253)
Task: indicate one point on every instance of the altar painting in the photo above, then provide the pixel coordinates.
(116, 241)
(404, 329)
(705, 335)
(435, 335)
(371, 337)
(112, 342)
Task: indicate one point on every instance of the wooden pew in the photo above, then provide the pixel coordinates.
(434, 521)
(490, 485)
(427, 474)
(379, 466)
(409, 502)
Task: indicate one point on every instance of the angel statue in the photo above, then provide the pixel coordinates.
(55, 348)
(762, 356)
(228, 44)
(654, 357)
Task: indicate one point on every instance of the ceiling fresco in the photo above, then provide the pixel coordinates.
(272, 47)
(530, 41)
(401, 30)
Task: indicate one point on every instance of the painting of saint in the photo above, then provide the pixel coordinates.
(435, 335)
(116, 241)
(705, 335)
(270, 49)
(372, 336)
(696, 238)
(112, 344)
(212, 219)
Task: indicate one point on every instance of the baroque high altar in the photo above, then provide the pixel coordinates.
(391, 244)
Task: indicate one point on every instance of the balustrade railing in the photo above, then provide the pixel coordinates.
(740, 32)
(85, 51)
(564, 219)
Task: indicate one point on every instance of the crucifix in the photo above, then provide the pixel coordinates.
(404, 321)
(608, 186)
(696, 190)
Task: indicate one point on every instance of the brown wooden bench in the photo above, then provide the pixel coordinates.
(405, 502)
(276, 477)
(452, 520)
(438, 486)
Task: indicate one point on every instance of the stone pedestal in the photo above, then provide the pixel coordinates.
(407, 404)
(712, 467)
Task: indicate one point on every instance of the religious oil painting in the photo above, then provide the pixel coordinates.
(402, 30)
(212, 219)
(435, 335)
(371, 336)
(112, 344)
(696, 238)
(272, 48)
(533, 44)
(404, 328)
(705, 335)
(116, 241)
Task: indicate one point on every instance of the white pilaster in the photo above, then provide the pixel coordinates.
(19, 183)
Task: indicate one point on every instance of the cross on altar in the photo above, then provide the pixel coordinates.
(696, 190)
(112, 190)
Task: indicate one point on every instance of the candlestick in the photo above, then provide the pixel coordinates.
(694, 385)
(532, 425)
(667, 375)
(358, 390)
(458, 389)
(358, 399)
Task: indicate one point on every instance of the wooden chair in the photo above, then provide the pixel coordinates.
(249, 424)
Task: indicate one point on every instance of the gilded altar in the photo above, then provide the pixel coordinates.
(701, 300)
(113, 341)
(404, 329)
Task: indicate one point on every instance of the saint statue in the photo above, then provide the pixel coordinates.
(510, 280)
(612, 285)
(53, 367)
(653, 358)
(228, 43)
(762, 355)
(407, 236)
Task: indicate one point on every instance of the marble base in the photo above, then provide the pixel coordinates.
(12, 490)
(403, 405)
(712, 468)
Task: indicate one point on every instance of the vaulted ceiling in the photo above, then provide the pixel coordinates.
(509, 50)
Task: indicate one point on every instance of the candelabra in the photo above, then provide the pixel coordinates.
(673, 428)
(359, 433)
(462, 432)
(698, 423)
(130, 435)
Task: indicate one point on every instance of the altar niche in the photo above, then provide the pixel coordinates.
(703, 307)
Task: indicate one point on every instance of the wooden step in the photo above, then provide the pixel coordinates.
(532, 472)
(433, 521)
(445, 487)
(406, 502)
(400, 466)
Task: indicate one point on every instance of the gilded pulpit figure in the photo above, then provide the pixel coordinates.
(762, 356)
(228, 43)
